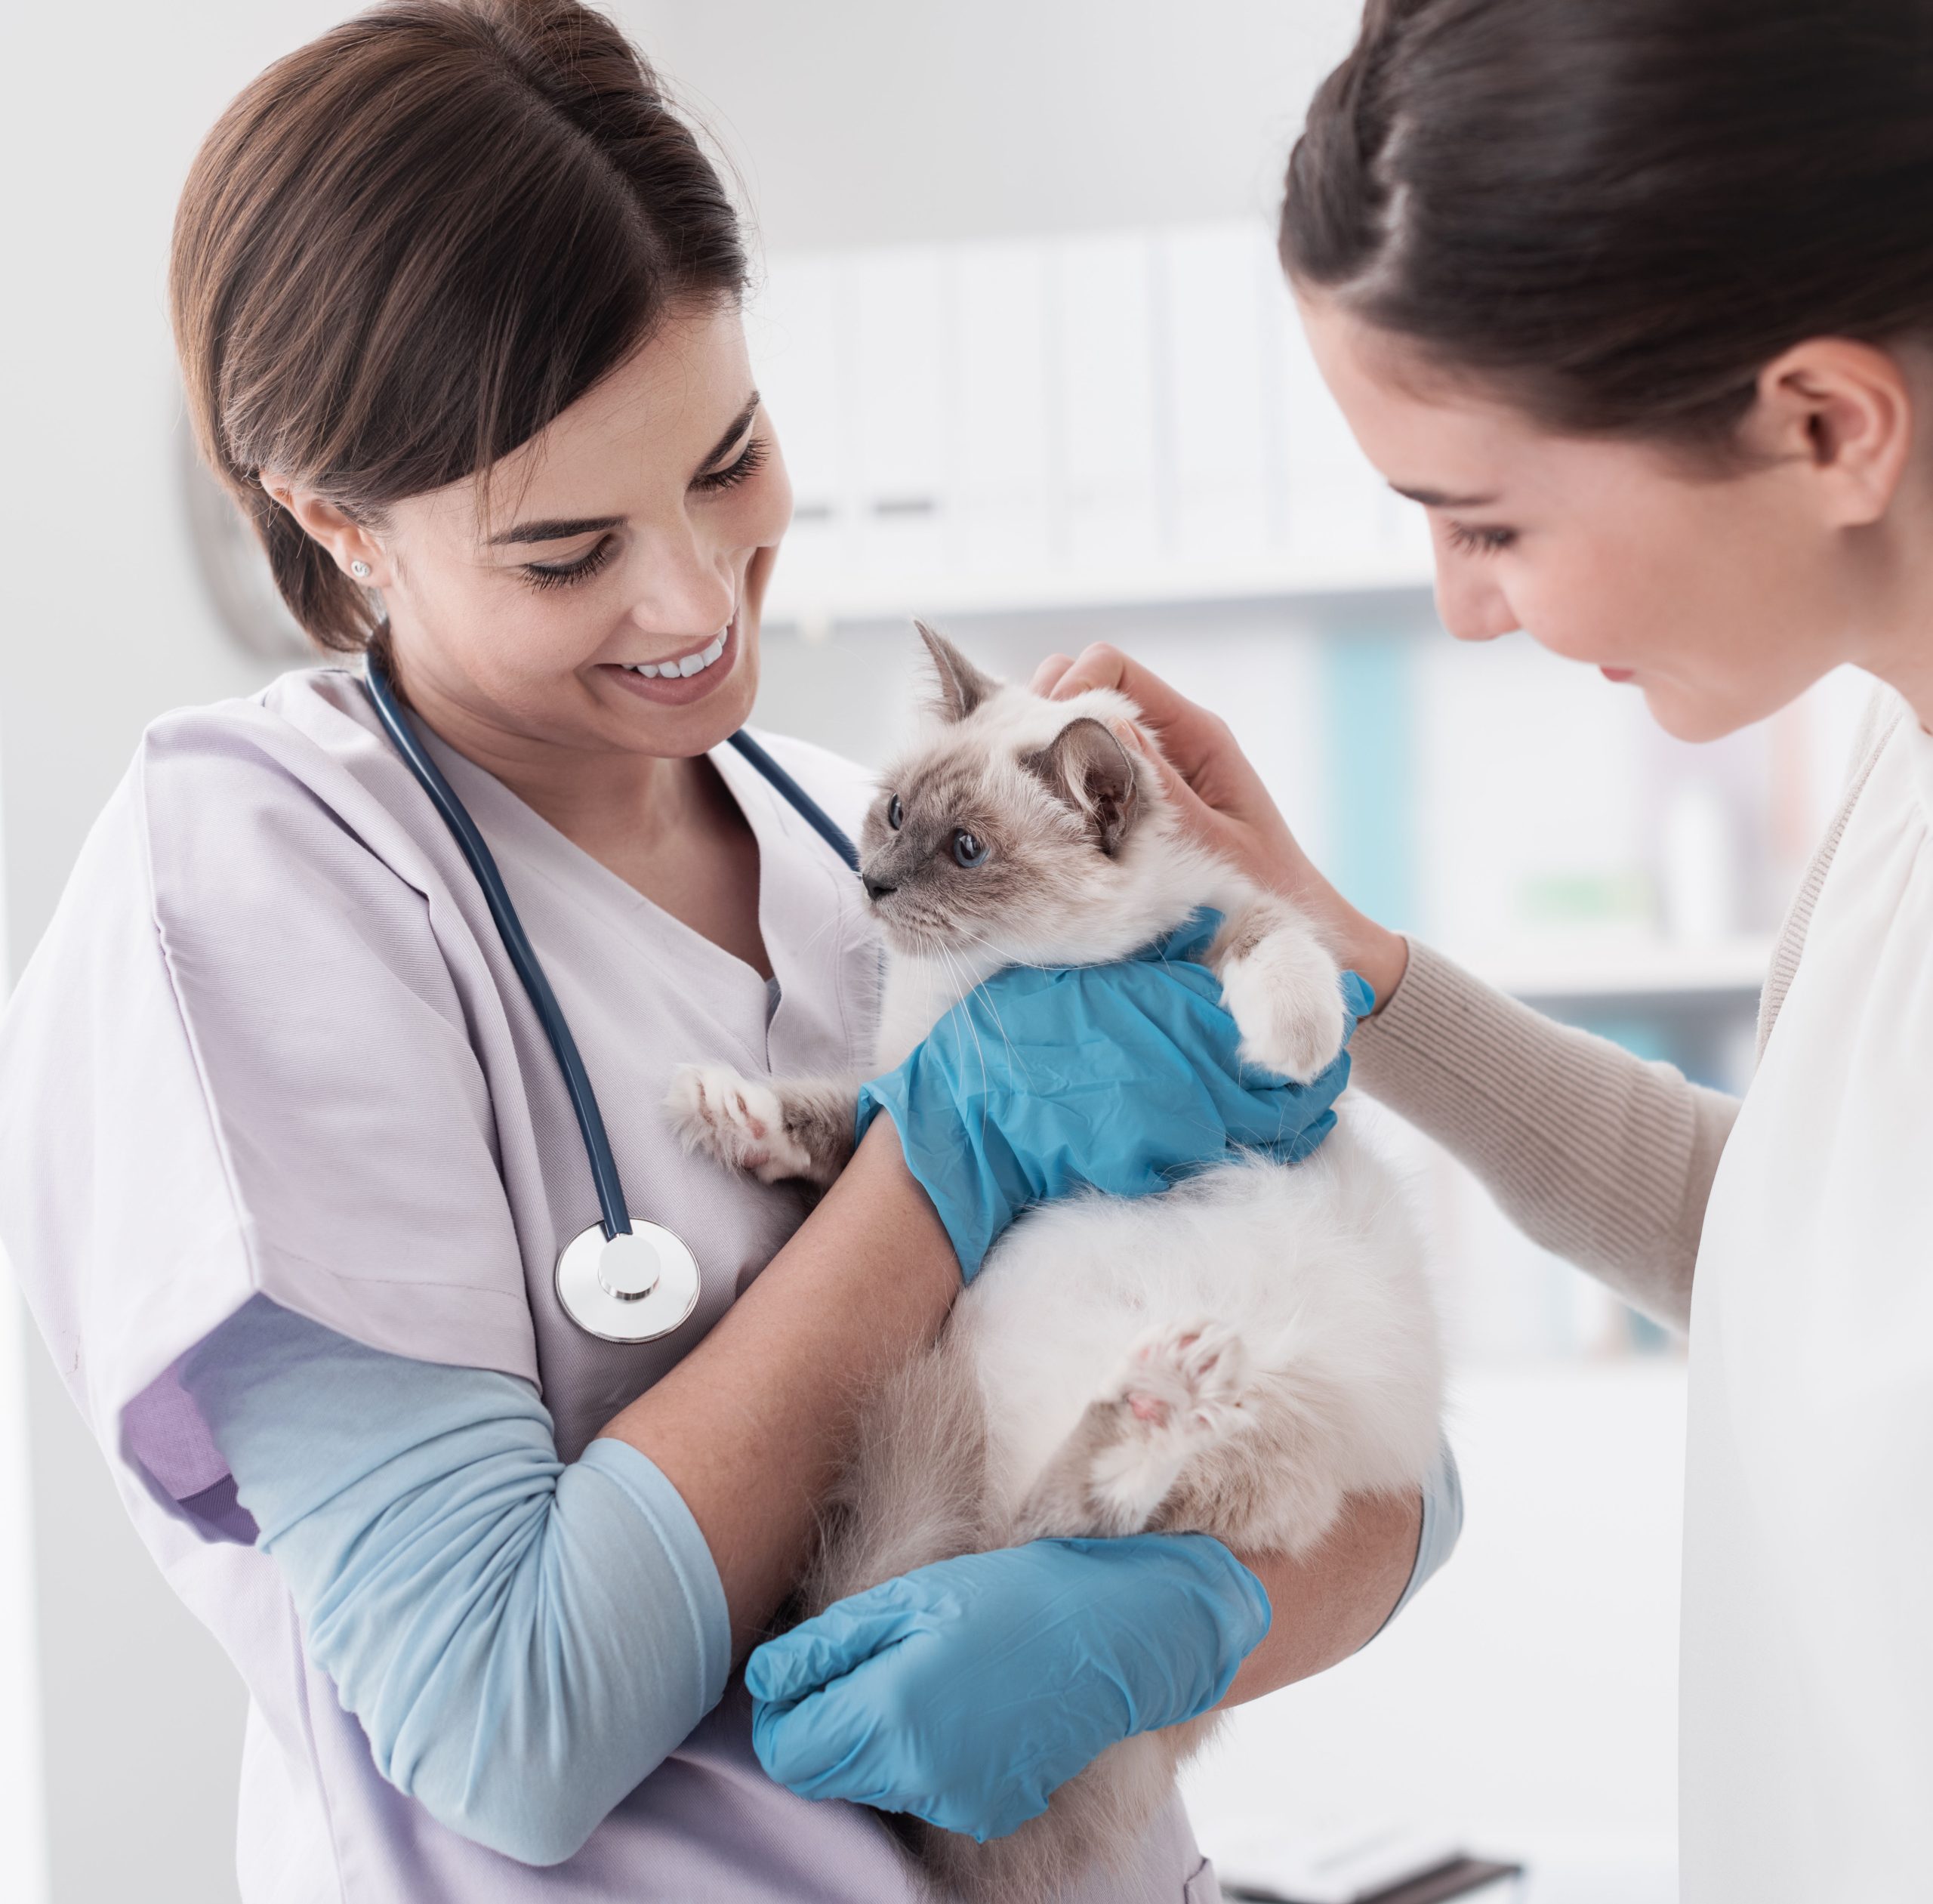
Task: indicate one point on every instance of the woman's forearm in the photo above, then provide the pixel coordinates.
(1334, 1602)
(751, 1427)
(1602, 1158)
(521, 1639)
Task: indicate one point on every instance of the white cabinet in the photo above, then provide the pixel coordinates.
(1106, 418)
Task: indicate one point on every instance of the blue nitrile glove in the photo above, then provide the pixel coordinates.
(965, 1692)
(1122, 1077)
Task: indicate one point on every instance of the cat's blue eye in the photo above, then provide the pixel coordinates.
(968, 848)
(895, 813)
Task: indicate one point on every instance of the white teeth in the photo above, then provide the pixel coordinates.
(687, 665)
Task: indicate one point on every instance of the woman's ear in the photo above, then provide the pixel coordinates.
(347, 541)
(1844, 410)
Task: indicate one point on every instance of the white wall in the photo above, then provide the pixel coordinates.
(105, 627)
(852, 121)
(23, 1797)
(866, 122)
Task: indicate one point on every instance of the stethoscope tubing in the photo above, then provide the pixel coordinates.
(801, 802)
(615, 1214)
(613, 1211)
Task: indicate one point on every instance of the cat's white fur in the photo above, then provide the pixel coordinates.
(1235, 1356)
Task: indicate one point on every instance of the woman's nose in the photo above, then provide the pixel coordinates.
(685, 589)
(1472, 606)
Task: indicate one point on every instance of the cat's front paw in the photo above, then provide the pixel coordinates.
(737, 1120)
(1284, 993)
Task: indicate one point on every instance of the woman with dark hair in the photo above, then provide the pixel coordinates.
(287, 1159)
(1636, 298)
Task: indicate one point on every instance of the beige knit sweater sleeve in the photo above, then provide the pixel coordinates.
(1595, 1154)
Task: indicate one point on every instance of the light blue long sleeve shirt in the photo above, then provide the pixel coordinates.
(522, 1639)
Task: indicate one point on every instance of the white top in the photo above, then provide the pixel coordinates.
(1806, 1749)
(272, 1043)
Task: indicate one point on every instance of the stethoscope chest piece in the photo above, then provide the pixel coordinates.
(632, 1287)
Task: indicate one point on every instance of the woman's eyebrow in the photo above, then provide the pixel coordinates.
(556, 529)
(559, 529)
(1436, 499)
(739, 426)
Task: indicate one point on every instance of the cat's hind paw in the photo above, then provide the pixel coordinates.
(736, 1120)
(1185, 1379)
(1179, 1394)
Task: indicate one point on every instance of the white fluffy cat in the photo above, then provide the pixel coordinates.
(1232, 1357)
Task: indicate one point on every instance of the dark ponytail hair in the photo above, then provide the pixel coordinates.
(406, 247)
(1619, 211)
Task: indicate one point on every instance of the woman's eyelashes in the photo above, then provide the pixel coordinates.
(747, 464)
(1467, 540)
(559, 575)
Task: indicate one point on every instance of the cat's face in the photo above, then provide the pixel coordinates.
(1012, 830)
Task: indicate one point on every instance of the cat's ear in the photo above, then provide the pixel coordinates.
(1089, 769)
(962, 686)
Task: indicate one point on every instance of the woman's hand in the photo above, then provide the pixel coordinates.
(1222, 801)
(965, 1692)
(1121, 1078)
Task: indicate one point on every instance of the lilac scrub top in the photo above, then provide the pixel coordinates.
(271, 1045)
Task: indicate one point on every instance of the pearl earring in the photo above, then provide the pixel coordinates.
(360, 570)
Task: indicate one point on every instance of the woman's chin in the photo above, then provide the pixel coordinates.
(1687, 714)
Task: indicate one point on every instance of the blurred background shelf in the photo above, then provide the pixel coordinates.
(1082, 419)
(1644, 971)
(1340, 589)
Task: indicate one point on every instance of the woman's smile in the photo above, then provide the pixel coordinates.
(681, 678)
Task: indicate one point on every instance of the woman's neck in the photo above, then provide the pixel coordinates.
(1894, 636)
(611, 802)
(667, 826)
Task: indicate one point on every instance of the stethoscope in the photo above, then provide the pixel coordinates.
(623, 1279)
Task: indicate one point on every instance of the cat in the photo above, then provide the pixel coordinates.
(1233, 1356)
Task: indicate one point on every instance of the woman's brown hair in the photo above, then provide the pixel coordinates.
(407, 247)
(1620, 211)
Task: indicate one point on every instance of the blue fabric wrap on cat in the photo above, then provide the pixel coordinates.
(1123, 1078)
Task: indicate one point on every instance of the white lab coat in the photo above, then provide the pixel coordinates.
(1807, 1742)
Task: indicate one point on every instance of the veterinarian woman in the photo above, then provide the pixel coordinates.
(287, 1159)
(1637, 300)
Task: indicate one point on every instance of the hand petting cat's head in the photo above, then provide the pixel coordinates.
(1024, 829)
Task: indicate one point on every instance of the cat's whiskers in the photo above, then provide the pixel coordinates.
(819, 931)
(1006, 958)
(954, 975)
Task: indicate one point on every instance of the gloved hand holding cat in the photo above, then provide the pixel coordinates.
(1026, 1663)
(1123, 1078)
